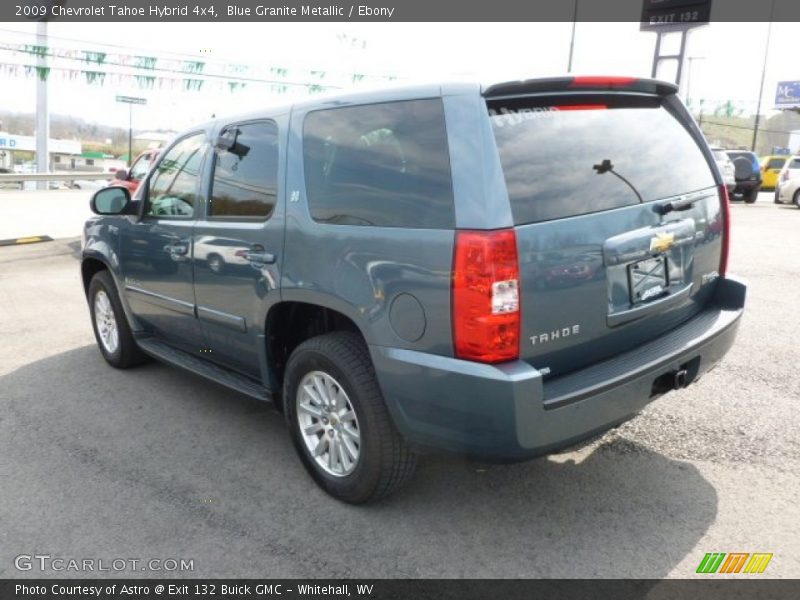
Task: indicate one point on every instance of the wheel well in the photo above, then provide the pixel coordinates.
(89, 268)
(289, 324)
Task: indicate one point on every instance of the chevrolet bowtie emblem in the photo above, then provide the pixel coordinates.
(662, 242)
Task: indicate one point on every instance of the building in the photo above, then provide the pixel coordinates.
(11, 144)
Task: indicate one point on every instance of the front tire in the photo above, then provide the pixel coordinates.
(339, 422)
(111, 329)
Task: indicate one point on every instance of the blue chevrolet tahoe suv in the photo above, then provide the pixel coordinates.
(496, 271)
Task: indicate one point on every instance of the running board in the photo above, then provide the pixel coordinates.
(231, 379)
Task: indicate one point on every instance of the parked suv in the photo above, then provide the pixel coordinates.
(422, 270)
(747, 173)
(726, 168)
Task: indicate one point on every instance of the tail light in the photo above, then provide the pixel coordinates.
(725, 205)
(602, 80)
(486, 300)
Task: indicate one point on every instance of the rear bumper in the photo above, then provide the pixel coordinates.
(746, 186)
(506, 411)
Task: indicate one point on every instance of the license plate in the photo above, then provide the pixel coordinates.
(648, 279)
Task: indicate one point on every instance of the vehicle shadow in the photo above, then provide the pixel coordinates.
(155, 462)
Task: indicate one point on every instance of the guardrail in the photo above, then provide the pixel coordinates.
(64, 176)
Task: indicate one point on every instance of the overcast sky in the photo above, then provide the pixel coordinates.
(727, 66)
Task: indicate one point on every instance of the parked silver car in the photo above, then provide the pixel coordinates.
(726, 167)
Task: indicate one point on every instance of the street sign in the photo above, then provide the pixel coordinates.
(674, 15)
(788, 94)
(131, 100)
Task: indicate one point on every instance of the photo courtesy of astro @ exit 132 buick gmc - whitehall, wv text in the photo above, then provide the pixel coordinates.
(417, 269)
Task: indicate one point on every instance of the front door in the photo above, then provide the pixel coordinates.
(238, 245)
(156, 251)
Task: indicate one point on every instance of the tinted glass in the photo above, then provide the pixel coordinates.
(381, 164)
(562, 159)
(776, 163)
(795, 164)
(245, 176)
(173, 187)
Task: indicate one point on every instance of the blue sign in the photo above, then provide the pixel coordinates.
(788, 94)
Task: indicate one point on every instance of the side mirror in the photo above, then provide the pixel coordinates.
(122, 174)
(110, 201)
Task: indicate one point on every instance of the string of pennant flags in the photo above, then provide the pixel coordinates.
(143, 82)
(150, 72)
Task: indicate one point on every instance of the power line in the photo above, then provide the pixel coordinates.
(707, 122)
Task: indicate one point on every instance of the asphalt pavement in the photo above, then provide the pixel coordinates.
(154, 463)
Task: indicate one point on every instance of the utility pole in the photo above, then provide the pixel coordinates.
(763, 75)
(42, 114)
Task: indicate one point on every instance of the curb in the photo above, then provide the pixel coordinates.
(33, 239)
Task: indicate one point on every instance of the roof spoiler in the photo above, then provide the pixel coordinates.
(579, 84)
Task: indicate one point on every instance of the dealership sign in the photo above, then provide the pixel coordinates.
(28, 144)
(788, 94)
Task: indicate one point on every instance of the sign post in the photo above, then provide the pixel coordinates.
(130, 101)
(666, 16)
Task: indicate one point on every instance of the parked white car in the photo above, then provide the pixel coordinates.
(787, 188)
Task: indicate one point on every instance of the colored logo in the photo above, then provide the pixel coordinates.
(734, 562)
(662, 242)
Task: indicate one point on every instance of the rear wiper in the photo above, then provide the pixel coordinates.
(607, 167)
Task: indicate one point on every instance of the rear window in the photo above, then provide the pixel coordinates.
(795, 164)
(563, 158)
(379, 164)
(720, 155)
(776, 163)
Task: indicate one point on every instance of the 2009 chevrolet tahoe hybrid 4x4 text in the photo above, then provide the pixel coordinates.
(422, 268)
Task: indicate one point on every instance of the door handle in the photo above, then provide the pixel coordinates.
(259, 256)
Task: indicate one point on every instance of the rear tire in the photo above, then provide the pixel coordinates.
(110, 325)
(751, 196)
(796, 199)
(336, 411)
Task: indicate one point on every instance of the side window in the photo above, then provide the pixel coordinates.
(246, 175)
(383, 165)
(173, 187)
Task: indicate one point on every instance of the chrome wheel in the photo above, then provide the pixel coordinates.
(328, 424)
(105, 322)
(215, 264)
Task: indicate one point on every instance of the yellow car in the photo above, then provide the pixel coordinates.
(770, 168)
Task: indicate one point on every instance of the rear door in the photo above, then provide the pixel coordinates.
(617, 215)
(238, 244)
